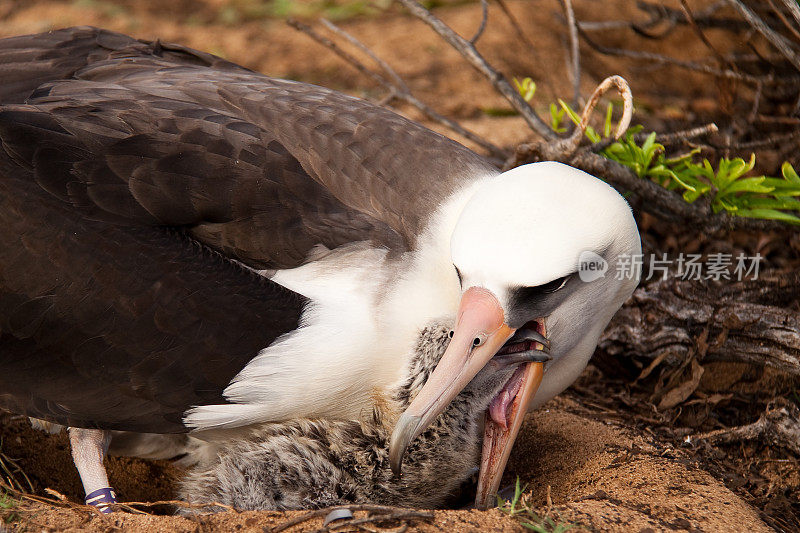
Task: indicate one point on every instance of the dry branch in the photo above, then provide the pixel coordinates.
(659, 14)
(688, 65)
(778, 426)
(776, 39)
(397, 88)
(749, 321)
(381, 513)
(794, 9)
(530, 47)
(574, 61)
(484, 19)
(666, 139)
(471, 54)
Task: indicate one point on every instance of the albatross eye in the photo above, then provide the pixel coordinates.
(553, 286)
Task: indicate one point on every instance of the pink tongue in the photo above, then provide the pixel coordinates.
(498, 409)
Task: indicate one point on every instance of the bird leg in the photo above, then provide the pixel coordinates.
(89, 447)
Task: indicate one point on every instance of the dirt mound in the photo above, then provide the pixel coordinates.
(600, 476)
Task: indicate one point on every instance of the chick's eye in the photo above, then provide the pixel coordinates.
(458, 273)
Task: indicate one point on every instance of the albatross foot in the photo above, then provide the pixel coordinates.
(89, 447)
(101, 498)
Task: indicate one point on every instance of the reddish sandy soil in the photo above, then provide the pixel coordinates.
(601, 477)
(602, 473)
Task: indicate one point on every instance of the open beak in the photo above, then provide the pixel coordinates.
(479, 334)
(498, 439)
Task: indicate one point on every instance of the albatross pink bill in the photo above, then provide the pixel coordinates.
(498, 441)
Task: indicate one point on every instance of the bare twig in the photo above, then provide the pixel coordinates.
(664, 138)
(777, 426)
(399, 90)
(689, 65)
(788, 25)
(684, 135)
(776, 39)
(575, 66)
(129, 506)
(768, 141)
(532, 50)
(786, 121)
(627, 103)
(399, 515)
(396, 79)
(793, 8)
(484, 18)
(660, 13)
(336, 49)
(699, 32)
(385, 513)
(10, 469)
(468, 51)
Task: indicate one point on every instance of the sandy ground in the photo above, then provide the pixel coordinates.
(601, 475)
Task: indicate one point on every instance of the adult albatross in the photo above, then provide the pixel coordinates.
(187, 245)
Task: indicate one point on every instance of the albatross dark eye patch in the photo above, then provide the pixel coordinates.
(538, 292)
(537, 300)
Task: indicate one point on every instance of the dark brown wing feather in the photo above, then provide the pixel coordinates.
(120, 326)
(259, 168)
(118, 157)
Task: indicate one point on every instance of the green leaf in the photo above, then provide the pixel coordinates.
(782, 187)
(732, 169)
(556, 117)
(592, 135)
(789, 174)
(769, 214)
(649, 143)
(751, 185)
(607, 123)
(691, 196)
(573, 116)
(526, 88)
(770, 203)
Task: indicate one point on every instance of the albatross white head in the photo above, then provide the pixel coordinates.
(529, 247)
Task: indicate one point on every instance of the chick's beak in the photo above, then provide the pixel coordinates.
(479, 333)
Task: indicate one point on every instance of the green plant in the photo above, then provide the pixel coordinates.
(730, 187)
(519, 507)
(556, 118)
(526, 88)
(7, 506)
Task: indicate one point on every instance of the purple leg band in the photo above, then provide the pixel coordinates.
(100, 498)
